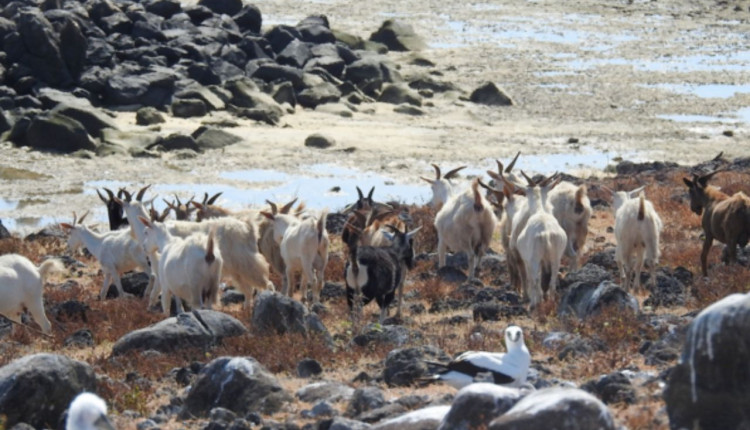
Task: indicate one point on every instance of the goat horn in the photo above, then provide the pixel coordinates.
(101, 197)
(453, 172)
(546, 181)
(213, 199)
(177, 199)
(80, 221)
(531, 183)
(437, 171)
(427, 180)
(274, 209)
(169, 204)
(128, 196)
(499, 166)
(512, 163)
(718, 157)
(369, 195)
(287, 207)
(359, 193)
(139, 196)
(487, 187)
(110, 194)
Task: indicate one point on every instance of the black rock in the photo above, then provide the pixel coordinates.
(398, 36)
(148, 116)
(612, 388)
(308, 367)
(239, 384)
(584, 300)
(249, 19)
(51, 380)
(187, 108)
(403, 367)
(364, 400)
(319, 141)
(490, 94)
(274, 313)
(476, 405)
(80, 339)
(57, 132)
(589, 274)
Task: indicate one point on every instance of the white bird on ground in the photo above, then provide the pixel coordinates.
(510, 368)
(88, 412)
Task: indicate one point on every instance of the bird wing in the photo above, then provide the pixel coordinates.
(504, 369)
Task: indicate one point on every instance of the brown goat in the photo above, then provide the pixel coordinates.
(724, 218)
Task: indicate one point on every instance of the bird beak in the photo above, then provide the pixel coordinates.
(103, 423)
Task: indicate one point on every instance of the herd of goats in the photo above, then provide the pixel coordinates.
(541, 220)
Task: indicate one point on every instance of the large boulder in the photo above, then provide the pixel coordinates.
(585, 300)
(476, 405)
(239, 384)
(57, 132)
(556, 409)
(226, 7)
(41, 48)
(214, 138)
(398, 36)
(246, 95)
(197, 329)
(398, 94)
(37, 389)
(274, 313)
(710, 387)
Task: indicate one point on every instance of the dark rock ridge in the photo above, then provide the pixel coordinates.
(66, 61)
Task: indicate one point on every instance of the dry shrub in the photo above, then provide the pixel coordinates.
(278, 353)
(643, 416)
(11, 245)
(721, 282)
(111, 319)
(432, 289)
(335, 269)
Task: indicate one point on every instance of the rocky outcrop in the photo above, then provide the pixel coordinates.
(476, 405)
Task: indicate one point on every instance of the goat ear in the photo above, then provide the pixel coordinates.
(144, 221)
(429, 181)
(267, 215)
(635, 192)
(65, 226)
(198, 206)
(688, 182)
(388, 235)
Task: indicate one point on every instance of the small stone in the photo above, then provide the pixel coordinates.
(319, 141)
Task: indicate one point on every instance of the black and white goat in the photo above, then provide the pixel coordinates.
(377, 272)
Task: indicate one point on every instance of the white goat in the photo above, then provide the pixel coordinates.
(442, 187)
(541, 244)
(637, 229)
(117, 252)
(21, 287)
(572, 208)
(304, 247)
(189, 268)
(465, 224)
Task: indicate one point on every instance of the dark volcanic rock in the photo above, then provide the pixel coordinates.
(398, 94)
(319, 141)
(274, 313)
(567, 408)
(148, 116)
(37, 389)
(197, 329)
(612, 388)
(186, 108)
(239, 384)
(80, 339)
(364, 400)
(249, 19)
(57, 132)
(589, 274)
(214, 138)
(710, 387)
(585, 300)
(476, 405)
(490, 94)
(308, 367)
(403, 367)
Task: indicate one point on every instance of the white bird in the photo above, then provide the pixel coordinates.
(509, 368)
(88, 412)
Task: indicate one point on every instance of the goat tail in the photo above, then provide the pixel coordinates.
(641, 207)
(321, 224)
(210, 256)
(546, 277)
(478, 206)
(50, 266)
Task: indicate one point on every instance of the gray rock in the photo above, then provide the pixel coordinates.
(274, 314)
(80, 339)
(57, 132)
(407, 109)
(612, 388)
(393, 334)
(590, 274)
(489, 94)
(187, 108)
(365, 399)
(214, 138)
(199, 328)
(239, 384)
(398, 36)
(226, 7)
(476, 405)
(564, 408)
(41, 48)
(384, 412)
(421, 419)
(340, 423)
(176, 141)
(329, 391)
(134, 283)
(245, 95)
(585, 300)
(148, 116)
(399, 93)
(605, 259)
(319, 141)
(91, 118)
(211, 100)
(710, 387)
(37, 389)
(319, 94)
(295, 54)
(404, 367)
(249, 19)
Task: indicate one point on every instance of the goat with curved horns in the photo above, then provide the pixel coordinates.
(115, 213)
(724, 218)
(182, 211)
(442, 188)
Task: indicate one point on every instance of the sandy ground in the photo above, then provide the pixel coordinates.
(643, 80)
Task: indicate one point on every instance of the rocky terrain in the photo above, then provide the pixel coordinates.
(122, 93)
